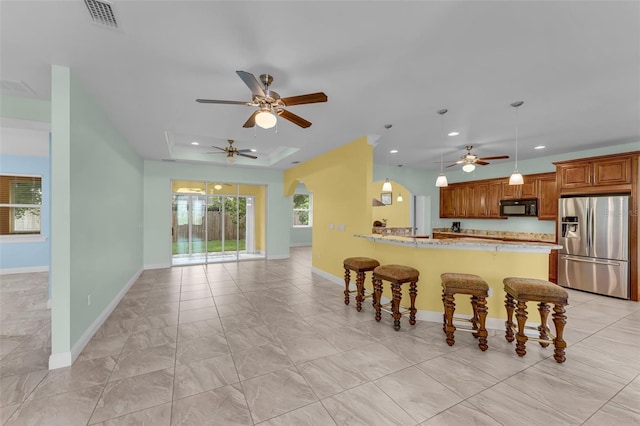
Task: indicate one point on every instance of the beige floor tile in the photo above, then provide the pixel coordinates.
(276, 393)
(331, 375)
(154, 416)
(144, 361)
(260, 360)
(66, 409)
(463, 379)
(461, 414)
(375, 360)
(15, 389)
(7, 411)
(134, 394)
(198, 315)
(194, 329)
(201, 348)
(366, 405)
(310, 415)
(150, 338)
(224, 406)
(204, 375)
(24, 362)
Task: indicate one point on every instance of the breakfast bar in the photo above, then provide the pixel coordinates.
(493, 260)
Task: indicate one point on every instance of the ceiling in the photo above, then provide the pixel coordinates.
(576, 66)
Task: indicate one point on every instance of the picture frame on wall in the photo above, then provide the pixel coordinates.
(386, 198)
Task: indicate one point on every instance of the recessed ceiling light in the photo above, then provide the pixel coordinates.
(539, 147)
(195, 143)
(393, 151)
(453, 133)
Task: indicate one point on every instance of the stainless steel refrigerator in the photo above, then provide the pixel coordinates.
(594, 234)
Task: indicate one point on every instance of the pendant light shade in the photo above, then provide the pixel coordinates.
(400, 199)
(386, 186)
(516, 177)
(442, 178)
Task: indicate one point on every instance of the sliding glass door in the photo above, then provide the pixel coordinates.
(216, 222)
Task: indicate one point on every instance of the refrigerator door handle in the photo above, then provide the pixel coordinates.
(599, 262)
(589, 231)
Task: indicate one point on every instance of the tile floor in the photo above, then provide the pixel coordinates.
(268, 342)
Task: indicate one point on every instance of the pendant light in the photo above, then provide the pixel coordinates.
(400, 199)
(442, 178)
(516, 177)
(386, 186)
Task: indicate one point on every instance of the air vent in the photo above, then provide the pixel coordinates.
(15, 88)
(102, 13)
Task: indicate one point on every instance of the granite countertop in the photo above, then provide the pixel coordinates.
(471, 243)
(499, 235)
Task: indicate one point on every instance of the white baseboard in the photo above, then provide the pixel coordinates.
(25, 270)
(60, 360)
(328, 276)
(157, 266)
(278, 257)
(65, 359)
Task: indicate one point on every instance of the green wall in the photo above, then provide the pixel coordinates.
(97, 180)
(421, 182)
(157, 205)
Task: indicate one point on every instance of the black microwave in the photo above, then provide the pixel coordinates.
(525, 207)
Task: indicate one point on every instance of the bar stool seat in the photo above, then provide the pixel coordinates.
(519, 291)
(360, 265)
(396, 275)
(478, 289)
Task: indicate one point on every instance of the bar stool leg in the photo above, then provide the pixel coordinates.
(474, 318)
(449, 309)
(360, 290)
(510, 304)
(395, 305)
(347, 279)
(521, 317)
(543, 308)
(377, 296)
(559, 319)
(482, 319)
(413, 292)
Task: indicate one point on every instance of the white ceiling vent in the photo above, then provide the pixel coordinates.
(102, 13)
(15, 88)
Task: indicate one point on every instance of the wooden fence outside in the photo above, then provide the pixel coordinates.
(214, 227)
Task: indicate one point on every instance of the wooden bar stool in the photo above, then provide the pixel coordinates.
(519, 291)
(360, 265)
(396, 275)
(478, 289)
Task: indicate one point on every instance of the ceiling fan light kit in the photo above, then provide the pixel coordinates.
(442, 178)
(386, 186)
(266, 119)
(231, 151)
(516, 177)
(468, 168)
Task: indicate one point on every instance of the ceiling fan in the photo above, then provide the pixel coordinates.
(470, 160)
(231, 151)
(269, 103)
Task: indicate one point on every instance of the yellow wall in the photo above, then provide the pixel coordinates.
(259, 193)
(397, 213)
(339, 181)
(492, 266)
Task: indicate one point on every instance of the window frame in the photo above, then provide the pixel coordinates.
(309, 210)
(25, 236)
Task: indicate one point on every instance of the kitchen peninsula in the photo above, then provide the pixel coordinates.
(493, 260)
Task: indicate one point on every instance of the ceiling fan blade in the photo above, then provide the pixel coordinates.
(295, 119)
(246, 155)
(250, 80)
(217, 147)
(451, 165)
(500, 157)
(482, 163)
(310, 98)
(252, 120)
(215, 101)
(215, 152)
(244, 150)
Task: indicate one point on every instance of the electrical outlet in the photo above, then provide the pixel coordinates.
(89, 300)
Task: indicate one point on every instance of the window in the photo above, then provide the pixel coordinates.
(302, 210)
(20, 205)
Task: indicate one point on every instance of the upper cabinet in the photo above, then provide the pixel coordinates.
(529, 189)
(481, 199)
(609, 173)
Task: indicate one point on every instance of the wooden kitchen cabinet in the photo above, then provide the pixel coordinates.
(607, 173)
(527, 190)
(478, 200)
(547, 196)
(454, 201)
(493, 199)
